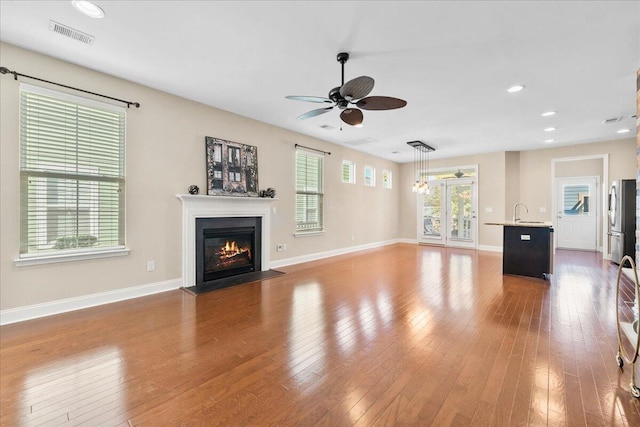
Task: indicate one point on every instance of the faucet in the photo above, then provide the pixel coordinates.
(515, 210)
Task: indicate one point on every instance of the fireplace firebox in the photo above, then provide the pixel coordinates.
(227, 247)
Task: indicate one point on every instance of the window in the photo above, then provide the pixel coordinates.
(348, 172)
(369, 176)
(71, 173)
(308, 192)
(386, 179)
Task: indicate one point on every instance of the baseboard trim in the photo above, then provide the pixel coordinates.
(327, 254)
(35, 311)
(490, 248)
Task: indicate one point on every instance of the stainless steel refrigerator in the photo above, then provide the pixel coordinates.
(622, 219)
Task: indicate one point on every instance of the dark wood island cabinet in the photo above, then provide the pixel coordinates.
(527, 249)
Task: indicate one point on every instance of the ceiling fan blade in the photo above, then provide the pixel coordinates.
(314, 113)
(352, 116)
(381, 103)
(317, 99)
(357, 88)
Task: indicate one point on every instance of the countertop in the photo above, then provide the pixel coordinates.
(521, 224)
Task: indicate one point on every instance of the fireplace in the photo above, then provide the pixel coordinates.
(227, 247)
(198, 207)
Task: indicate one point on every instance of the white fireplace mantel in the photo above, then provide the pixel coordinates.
(194, 207)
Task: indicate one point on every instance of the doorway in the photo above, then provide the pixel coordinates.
(577, 213)
(447, 214)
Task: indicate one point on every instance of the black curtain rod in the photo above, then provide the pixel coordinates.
(5, 70)
(313, 149)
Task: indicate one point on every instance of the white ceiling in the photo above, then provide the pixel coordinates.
(451, 61)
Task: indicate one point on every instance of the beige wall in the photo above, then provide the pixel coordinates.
(512, 182)
(165, 154)
(573, 168)
(535, 170)
(491, 195)
(507, 178)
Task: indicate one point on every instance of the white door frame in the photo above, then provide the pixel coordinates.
(444, 240)
(603, 195)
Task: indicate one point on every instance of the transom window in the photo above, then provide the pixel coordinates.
(348, 172)
(72, 176)
(387, 179)
(369, 176)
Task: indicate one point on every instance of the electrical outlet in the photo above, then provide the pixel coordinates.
(151, 265)
(353, 237)
(280, 247)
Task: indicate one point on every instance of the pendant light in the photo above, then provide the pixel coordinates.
(420, 166)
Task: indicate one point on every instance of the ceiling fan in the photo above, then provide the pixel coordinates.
(353, 92)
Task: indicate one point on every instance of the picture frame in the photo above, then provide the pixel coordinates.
(232, 168)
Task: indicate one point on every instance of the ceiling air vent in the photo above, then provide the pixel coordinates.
(612, 120)
(65, 30)
(362, 141)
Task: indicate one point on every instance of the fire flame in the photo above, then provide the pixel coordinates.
(231, 249)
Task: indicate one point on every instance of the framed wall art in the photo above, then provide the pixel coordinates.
(232, 168)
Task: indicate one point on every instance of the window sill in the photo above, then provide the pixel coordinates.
(67, 257)
(308, 233)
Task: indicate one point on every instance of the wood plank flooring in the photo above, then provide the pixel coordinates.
(401, 335)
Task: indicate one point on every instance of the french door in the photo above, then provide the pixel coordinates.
(447, 214)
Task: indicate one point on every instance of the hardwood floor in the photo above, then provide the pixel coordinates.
(401, 335)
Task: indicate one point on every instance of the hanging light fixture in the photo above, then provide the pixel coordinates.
(420, 166)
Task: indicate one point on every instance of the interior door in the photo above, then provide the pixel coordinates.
(577, 218)
(447, 214)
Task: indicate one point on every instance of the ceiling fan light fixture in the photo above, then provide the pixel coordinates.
(354, 92)
(88, 8)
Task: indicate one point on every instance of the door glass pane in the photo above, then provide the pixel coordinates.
(575, 199)
(461, 212)
(432, 214)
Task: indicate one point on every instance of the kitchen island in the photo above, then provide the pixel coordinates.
(527, 248)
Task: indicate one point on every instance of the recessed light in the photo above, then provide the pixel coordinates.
(548, 113)
(515, 88)
(88, 8)
(549, 141)
(623, 131)
(551, 129)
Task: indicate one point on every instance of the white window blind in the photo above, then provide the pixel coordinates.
(308, 191)
(71, 173)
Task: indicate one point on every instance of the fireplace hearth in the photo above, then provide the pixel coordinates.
(226, 247)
